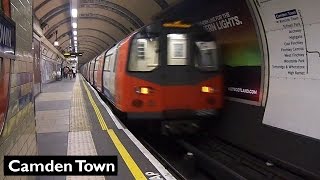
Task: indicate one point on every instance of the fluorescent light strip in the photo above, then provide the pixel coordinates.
(74, 13)
(74, 25)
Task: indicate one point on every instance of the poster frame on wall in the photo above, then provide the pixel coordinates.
(7, 54)
(263, 46)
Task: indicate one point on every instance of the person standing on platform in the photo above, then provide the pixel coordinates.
(74, 71)
(65, 72)
(70, 73)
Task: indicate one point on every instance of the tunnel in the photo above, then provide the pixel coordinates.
(159, 89)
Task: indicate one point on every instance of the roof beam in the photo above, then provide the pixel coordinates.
(162, 3)
(110, 6)
(101, 18)
(54, 12)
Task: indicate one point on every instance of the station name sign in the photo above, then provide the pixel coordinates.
(60, 165)
(7, 35)
(72, 54)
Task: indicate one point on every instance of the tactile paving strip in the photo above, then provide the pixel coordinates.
(81, 143)
(79, 119)
(80, 140)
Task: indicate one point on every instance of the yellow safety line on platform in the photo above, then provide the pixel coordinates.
(133, 167)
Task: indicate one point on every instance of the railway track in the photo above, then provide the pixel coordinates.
(212, 159)
(174, 157)
(163, 161)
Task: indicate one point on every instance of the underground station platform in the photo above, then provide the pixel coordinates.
(72, 120)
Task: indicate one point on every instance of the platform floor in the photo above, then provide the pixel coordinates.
(72, 119)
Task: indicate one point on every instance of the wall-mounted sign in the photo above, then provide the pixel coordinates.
(7, 35)
(71, 54)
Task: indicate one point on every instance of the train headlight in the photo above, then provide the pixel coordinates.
(207, 89)
(143, 90)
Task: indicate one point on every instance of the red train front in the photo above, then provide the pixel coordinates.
(163, 73)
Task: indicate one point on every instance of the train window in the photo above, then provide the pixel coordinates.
(177, 49)
(144, 54)
(96, 67)
(115, 61)
(111, 63)
(206, 56)
(106, 63)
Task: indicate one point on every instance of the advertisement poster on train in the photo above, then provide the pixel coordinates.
(231, 23)
(292, 32)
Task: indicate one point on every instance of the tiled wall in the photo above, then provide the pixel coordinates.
(19, 135)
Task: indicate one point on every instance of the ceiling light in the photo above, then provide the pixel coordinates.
(75, 38)
(74, 13)
(74, 25)
(56, 43)
(75, 33)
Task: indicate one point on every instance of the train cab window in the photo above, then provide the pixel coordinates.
(144, 54)
(206, 55)
(177, 49)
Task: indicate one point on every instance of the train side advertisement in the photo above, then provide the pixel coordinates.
(231, 23)
(292, 31)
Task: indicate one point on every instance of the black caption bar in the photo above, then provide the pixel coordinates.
(60, 165)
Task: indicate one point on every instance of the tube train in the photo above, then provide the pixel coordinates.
(162, 71)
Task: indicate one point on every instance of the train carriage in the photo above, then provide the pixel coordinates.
(161, 73)
(91, 71)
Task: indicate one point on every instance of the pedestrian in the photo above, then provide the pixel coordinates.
(74, 71)
(70, 72)
(65, 72)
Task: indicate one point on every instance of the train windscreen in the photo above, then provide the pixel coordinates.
(144, 54)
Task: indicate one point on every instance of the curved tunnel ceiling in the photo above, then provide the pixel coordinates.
(100, 23)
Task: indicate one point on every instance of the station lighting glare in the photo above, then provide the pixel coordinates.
(74, 13)
(74, 25)
(56, 43)
(75, 33)
(75, 38)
